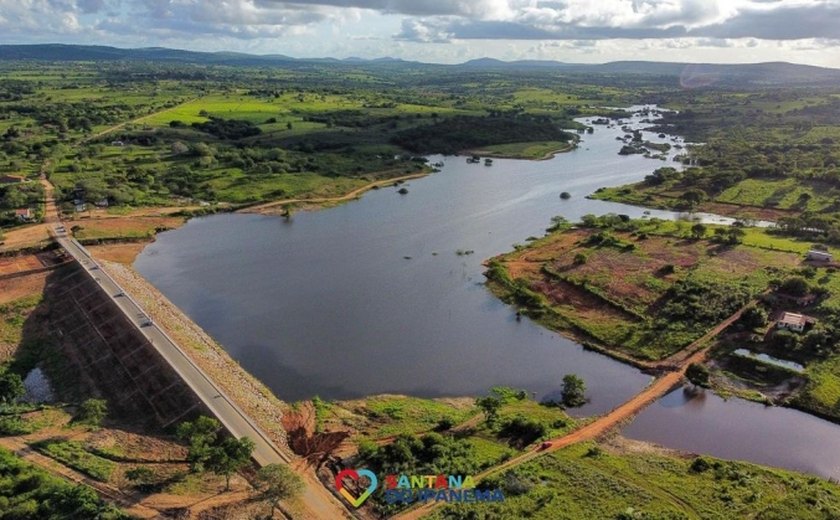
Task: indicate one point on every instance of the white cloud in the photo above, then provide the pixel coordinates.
(440, 30)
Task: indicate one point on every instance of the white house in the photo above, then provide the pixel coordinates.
(819, 256)
(793, 321)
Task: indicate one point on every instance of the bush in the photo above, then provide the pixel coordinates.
(574, 389)
(444, 424)
(12, 425)
(699, 465)
(795, 286)
(92, 412)
(521, 431)
(11, 387)
(228, 128)
(698, 375)
(29, 493)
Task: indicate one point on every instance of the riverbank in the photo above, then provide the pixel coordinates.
(627, 284)
(618, 478)
(644, 196)
(121, 236)
(640, 290)
(281, 206)
(534, 151)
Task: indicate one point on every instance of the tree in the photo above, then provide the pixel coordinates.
(735, 235)
(795, 286)
(490, 405)
(201, 435)
(754, 317)
(230, 456)
(698, 231)
(574, 389)
(580, 259)
(698, 375)
(92, 412)
(278, 482)
(11, 387)
(693, 197)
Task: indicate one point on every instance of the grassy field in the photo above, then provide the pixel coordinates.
(588, 481)
(783, 193)
(74, 455)
(537, 150)
(176, 136)
(30, 492)
(763, 199)
(12, 318)
(383, 416)
(614, 290)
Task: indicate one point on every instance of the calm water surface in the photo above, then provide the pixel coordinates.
(741, 430)
(328, 304)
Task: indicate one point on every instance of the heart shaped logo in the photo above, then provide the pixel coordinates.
(356, 475)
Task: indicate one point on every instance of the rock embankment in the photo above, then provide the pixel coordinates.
(252, 396)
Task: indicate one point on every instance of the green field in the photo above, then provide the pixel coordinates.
(29, 493)
(141, 135)
(538, 150)
(74, 455)
(586, 481)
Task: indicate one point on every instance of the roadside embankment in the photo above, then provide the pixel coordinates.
(252, 396)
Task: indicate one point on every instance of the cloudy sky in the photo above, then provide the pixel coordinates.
(804, 31)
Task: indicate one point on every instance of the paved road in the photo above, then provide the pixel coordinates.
(317, 502)
(230, 415)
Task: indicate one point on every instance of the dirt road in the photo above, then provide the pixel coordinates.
(619, 415)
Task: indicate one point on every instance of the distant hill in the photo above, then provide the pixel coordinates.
(61, 52)
(771, 73)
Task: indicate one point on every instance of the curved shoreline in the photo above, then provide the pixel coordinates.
(354, 194)
(519, 157)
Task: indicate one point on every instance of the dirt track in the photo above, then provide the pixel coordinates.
(619, 415)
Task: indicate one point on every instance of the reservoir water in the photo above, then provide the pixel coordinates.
(371, 296)
(741, 430)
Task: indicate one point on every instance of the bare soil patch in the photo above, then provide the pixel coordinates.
(124, 253)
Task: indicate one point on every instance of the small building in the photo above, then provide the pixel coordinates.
(12, 179)
(117, 143)
(24, 214)
(794, 321)
(81, 207)
(819, 256)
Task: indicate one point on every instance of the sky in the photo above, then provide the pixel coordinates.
(447, 31)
